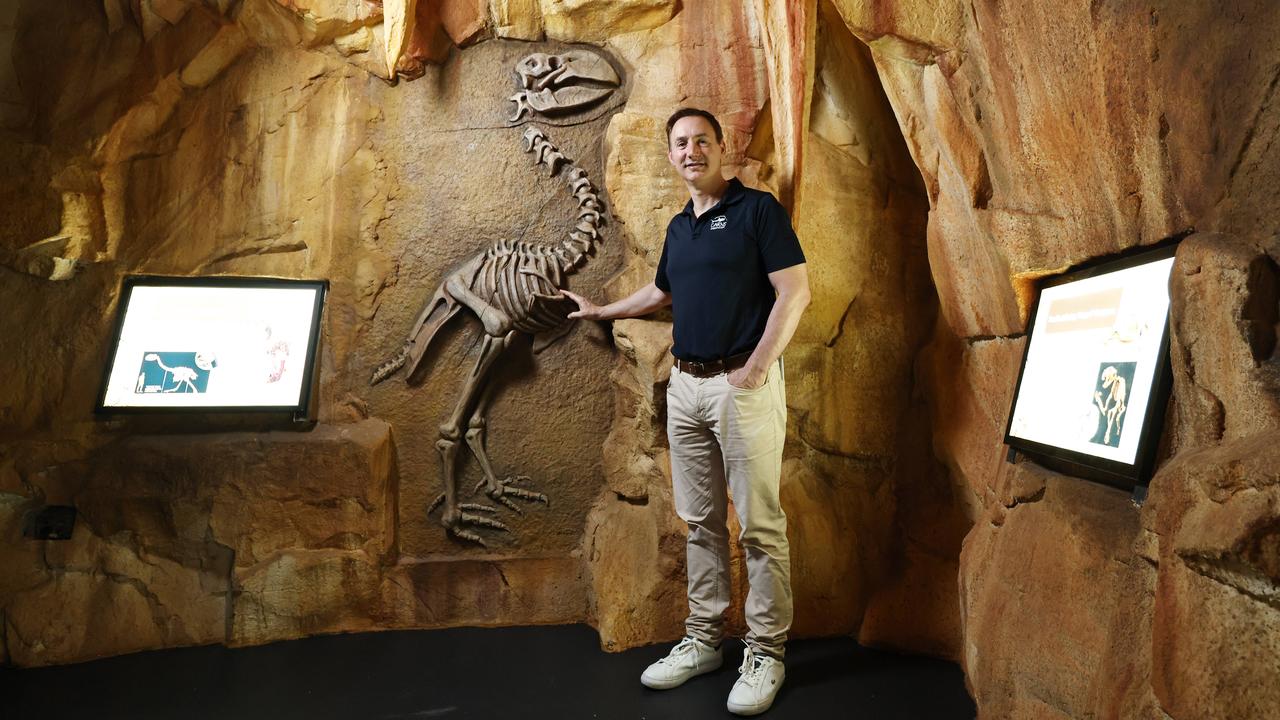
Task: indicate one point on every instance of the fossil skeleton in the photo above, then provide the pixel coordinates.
(511, 287)
(1114, 407)
(182, 375)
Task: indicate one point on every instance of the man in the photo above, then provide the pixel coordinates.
(734, 274)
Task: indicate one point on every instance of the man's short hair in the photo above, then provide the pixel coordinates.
(685, 112)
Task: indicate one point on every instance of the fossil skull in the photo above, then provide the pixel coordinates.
(562, 83)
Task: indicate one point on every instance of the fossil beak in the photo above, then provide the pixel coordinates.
(580, 67)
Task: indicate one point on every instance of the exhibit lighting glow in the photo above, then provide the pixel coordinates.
(1096, 349)
(213, 343)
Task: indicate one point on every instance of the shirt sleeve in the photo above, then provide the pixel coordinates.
(661, 279)
(779, 246)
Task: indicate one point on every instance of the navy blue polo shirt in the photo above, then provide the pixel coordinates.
(716, 268)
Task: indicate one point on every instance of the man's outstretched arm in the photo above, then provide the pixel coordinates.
(641, 302)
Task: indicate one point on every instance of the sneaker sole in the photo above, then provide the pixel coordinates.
(749, 709)
(656, 684)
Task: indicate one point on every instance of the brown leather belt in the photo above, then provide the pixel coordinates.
(713, 367)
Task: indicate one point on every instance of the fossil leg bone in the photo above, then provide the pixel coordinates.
(499, 491)
(456, 514)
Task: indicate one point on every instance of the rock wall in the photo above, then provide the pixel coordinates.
(872, 309)
(289, 138)
(1048, 135)
(941, 157)
(251, 139)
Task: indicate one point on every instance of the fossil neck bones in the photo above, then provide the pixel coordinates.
(511, 287)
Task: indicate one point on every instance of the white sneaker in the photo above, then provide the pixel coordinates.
(689, 658)
(760, 681)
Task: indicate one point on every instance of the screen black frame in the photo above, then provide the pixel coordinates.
(1071, 462)
(305, 392)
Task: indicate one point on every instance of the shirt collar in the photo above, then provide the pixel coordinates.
(732, 194)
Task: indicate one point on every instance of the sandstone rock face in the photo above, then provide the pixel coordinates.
(1225, 295)
(447, 591)
(872, 308)
(594, 20)
(1030, 574)
(973, 382)
(851, 366)
(1217, 598)
(941, 157)
(790, 41)
(305, 592)
(1046, 137)
(637, 557)
(516, 19)
(173, 530)
(1167, 610)
(280, 161)
(1216, 612)
(265, 141)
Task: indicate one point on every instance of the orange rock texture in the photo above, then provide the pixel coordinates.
(1048, 135)
(270, 138)
(938, 158)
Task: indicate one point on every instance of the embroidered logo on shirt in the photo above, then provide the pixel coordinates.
(718, 222)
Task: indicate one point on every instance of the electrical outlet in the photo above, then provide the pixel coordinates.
(51, 522)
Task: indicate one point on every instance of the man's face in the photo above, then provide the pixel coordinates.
(694, 151)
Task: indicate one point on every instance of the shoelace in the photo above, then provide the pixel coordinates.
(753, 667)
(682, 648)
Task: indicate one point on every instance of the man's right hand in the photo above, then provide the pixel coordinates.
(639, 303)
(587, 310)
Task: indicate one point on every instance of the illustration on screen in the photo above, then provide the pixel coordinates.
(277, 357)
(175, 372)
(1109, 397)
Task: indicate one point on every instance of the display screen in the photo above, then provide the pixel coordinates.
(1097, 347)
(213, 343)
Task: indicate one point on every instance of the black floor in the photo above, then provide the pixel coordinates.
(538, 672)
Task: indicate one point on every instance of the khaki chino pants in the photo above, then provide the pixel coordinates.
(723, 436)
